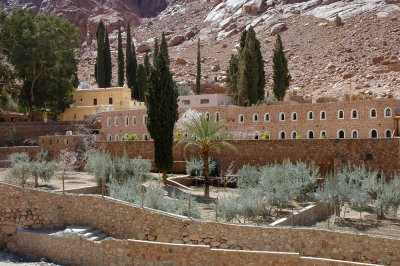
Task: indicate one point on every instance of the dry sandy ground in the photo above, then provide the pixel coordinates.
(72, 180)
(9, 259)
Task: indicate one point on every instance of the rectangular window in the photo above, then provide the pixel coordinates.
(95, 101)
(204, 101)
(186, 102)
(110, 101)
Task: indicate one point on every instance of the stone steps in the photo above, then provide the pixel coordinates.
(87, 232)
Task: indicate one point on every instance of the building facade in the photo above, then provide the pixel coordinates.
(91, 101)
(281, 120)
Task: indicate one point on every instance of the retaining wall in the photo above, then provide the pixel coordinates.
(30, 208)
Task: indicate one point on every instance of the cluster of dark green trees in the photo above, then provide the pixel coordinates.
(246, 75)
(42, 56)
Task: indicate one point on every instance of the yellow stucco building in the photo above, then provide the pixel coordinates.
(91, 101)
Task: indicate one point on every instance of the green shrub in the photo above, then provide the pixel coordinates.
(42, 170)
(100, 165)
(184, 90)
(265, 136)
(131, 137)
(195, 167)
(249, 177)
(19, 164)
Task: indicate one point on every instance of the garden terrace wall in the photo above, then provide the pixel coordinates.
(76, 251)
(30, 208)
(328, 154)
(5, 153)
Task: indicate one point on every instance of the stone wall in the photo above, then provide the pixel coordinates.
(76, 251)
(306, 216)
(30, 208)
(5, 153)
(84, 190)
(379, 154)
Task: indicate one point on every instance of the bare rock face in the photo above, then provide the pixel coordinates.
(143, 48)
(278, 28)
(177, 39)
(180, 61)
(254, 7)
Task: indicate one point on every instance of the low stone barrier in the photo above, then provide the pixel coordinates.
(306, 216)
(76, 251)
(30, 208)
(84, 190)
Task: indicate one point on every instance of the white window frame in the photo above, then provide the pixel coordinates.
(351, 114)
(127, 120)
(217, 117)
(391, 133)
(109, 121)
(258, 135)
(322, 131)
(294, 113)
(352, 134)
(320, 115)
(254, 116)
(338, 114)
(109, 137)
(134, 120)
(208, 117)
(280, 135)
(308, 115)
(145, 137)
(282, 120)
(241, 115)
(370, 113)
(265, 117)
(390, 110)
(116, 137)
(308, 134)
(338, 134)
(370, 133)
(291, 134)
(116, 121)
(144, 119)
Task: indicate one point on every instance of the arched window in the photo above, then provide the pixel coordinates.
(388, 133)
(282, 135)
(116, 138)
(126, 121)
(217, 116)
(109, 137)
(310, 115)
(388, 112)
(266, 117)
(255, 117)
(341, 134)
(354, 114)
(145, 120)
(208, 116)
(133, 120)
(256, 135)
(282, 116)
(145, 137)
(116, 121)
(373, 113)
(241, 118)
(294, 134)
(323, 115)
(109, 121)
(340, 114)
(354, 134)
(294, 116)
(310, 134)
(186, 135)
(322, 134)
(242, 136)
(374, 133)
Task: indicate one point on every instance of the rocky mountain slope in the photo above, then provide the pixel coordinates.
(343, 48)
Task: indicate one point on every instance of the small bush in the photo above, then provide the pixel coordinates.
(265, 136)
(195, 167)
(100, 165)
(249, 177)
(184, 90)
(131, 137)
(20, 165)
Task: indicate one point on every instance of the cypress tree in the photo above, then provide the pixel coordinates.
(243, 39)
(121, 63)
(231, 78)
(134, 69)
(162, 110)
(141, 78)
(107, 61)
(261, 72)
(155, 51)
(281, 76)
(198, 75)
(147, 65)
(100, 65)
(164, 47)
(130, 75)
(248, 75)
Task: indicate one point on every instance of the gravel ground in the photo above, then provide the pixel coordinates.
(7, 259)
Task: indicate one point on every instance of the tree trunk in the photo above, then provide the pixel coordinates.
(32, 99)
(164, 176)
(206, 175)
(36, 182)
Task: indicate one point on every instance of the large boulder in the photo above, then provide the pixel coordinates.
(180, 61)
(254, 7)
(278, 28)
(177, 39)
(143, 48)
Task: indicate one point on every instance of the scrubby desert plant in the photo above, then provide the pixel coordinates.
(20, 165)
(100, 165)
(195, 167)
(67, 162)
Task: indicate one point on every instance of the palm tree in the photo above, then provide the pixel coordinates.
(204, 132)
